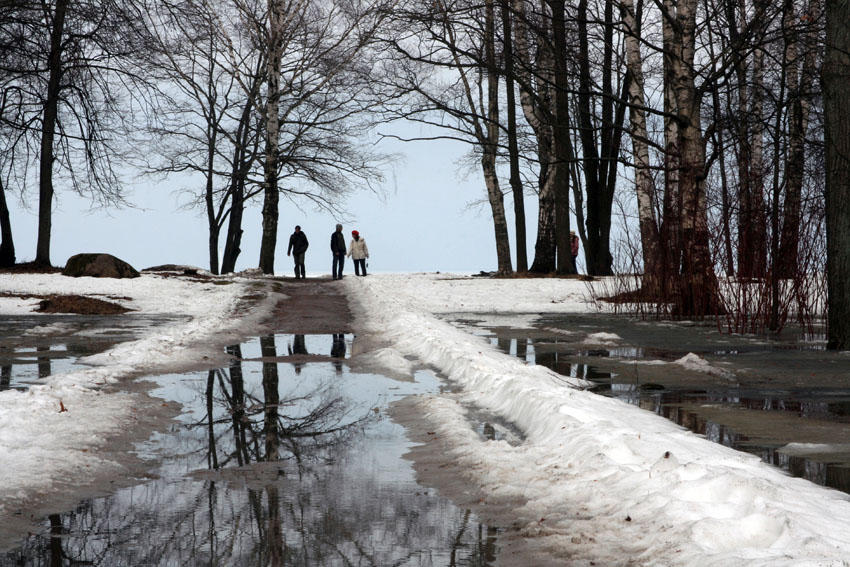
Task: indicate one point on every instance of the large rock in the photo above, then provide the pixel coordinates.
(98, 266)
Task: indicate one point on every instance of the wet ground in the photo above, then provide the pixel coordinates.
(283, 457)
(787, 400)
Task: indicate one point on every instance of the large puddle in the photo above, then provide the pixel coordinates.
(35, 346)
(285, 457)
(787, 401)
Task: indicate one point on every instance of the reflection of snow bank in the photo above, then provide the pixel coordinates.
(603, 339)
(802, 449)
(52, 329)
(41, 446)
(595, 479)
(389, 360)
(559, 331)
(693, 361)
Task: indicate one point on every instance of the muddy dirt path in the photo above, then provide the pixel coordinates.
(311, 306)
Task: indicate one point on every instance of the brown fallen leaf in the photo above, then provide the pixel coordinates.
(62, 407)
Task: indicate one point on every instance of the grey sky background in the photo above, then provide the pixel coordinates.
(424, 222)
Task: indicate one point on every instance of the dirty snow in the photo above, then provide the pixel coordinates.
(42, 446)
(603, 481)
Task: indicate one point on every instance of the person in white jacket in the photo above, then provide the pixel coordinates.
(359, 252)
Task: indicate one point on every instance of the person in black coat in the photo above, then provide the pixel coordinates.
(298, 246)
(338, 251)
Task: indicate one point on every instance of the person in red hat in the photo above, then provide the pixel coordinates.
(359, 252)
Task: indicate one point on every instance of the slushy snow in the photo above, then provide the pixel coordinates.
(603, 481)
(42, 447)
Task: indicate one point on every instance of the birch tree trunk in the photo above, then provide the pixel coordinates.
(836, 85)
(653, 275)
(536, 106)
(271, 196)
(491, 144)
(670, 228)
(513, 150)
(697, 293)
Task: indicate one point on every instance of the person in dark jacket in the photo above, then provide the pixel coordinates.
(298, 246)
(338, 251)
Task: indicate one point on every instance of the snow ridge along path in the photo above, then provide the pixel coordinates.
(603, 481)
(46, 452)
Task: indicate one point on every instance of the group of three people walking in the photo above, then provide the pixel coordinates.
(357, 249)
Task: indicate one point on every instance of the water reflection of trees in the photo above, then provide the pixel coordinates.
(277, 482)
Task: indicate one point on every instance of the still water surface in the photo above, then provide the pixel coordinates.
(272, 463)
(786, 401)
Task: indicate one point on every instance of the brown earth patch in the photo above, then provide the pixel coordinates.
(313, 306)
(30, 268)
(79, 305)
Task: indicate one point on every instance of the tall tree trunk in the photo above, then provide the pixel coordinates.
(209, 199)
(513, 150)
(536, 107)
(491, 145)
(600, 145)
(243, 158)
(653, 274)
(836, 85)
(271, 196)
(7, 243)
(799, 81)
(670, 229)
(233, 240)
(561, 139)
(698, 286)
(48, 134)
(752, 227)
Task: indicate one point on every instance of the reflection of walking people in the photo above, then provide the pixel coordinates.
(298, 346)
(338, 351)
(338, 251)
(298, 247)
(358, 250)
(338, 346)
(574, 250)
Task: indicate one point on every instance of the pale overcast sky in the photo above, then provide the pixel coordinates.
(424, 224)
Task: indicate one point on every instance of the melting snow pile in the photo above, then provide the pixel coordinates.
(603, 481)
(49, 434)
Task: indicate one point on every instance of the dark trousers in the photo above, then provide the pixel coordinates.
(299, 265)
(360, 265)
(339, 263)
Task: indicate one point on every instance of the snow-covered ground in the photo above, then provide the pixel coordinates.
(604, 481)
(43, 448)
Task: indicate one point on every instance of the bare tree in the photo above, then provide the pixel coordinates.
(319, 101)
(447, 58)
(71, 63)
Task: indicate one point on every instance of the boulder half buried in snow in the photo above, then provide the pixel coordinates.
(98, 266)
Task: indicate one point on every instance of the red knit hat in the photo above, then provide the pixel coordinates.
(354, 232)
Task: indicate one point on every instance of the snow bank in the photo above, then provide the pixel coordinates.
(49, 434)
(603, 481)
